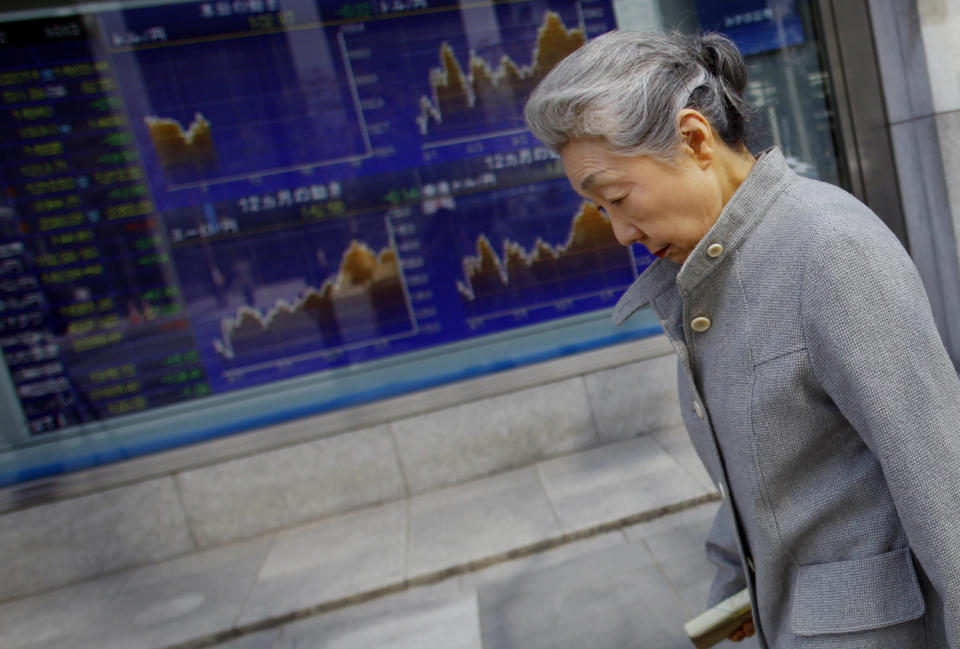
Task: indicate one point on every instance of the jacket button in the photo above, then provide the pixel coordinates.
(715, 250)
(700, 324)
(697, 408)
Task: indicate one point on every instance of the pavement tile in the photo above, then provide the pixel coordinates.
(314, 632)
(212, 563)
(614, 481)
(701, 515)
(677, 542)
(330, 560)
(686, 539)
(545, 559)
(453, 625)
(485, 518)
(688, 569)
(694, 596)
(269, 639)
(180, 600)
(611, 599)
(56, 620)
(676, 442)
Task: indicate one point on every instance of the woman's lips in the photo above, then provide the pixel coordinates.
(662, 252)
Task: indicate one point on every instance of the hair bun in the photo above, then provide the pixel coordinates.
(722, 59)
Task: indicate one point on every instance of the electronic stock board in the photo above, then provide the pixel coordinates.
(206, 197)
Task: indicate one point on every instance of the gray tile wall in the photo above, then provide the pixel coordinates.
(917, 55)
(483, 437)
(939, 23)
(273, 490)
(948, 129)
(71, 540)
(635, 399)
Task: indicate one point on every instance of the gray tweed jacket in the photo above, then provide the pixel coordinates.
(818, 394)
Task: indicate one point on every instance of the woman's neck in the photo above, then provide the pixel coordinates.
(732, 168)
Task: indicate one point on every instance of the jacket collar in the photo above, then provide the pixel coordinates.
(659, 277)
(740, 216)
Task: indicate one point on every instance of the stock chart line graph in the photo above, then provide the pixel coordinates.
(226, 107)
(365, 300)
(589, 262)
(183, 154)
(487, 94)
(270, 301)
(260, 125)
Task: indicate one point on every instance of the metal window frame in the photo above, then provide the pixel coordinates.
(849, 50)
(887, 125)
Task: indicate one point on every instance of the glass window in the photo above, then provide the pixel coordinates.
(222, 214)
(788, 82)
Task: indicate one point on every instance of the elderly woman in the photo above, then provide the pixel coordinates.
(813, 381)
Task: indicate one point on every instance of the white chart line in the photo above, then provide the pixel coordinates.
(541, 305)
(361, 122)
(354, 92)
(489, 136)
(267, 172)
(289, 360)
(392, 242)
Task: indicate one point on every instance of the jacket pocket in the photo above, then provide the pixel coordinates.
(856, 595)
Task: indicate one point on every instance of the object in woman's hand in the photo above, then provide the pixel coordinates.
(717, 623)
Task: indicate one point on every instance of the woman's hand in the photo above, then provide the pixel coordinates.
(745, 631)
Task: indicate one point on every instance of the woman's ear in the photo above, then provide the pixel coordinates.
(696, 136)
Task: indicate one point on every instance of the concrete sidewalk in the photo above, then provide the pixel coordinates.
(486, 564)
(630, 588)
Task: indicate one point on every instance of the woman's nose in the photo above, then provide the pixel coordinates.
(625, 233)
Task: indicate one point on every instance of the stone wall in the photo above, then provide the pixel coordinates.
(52, 544)
(917, 52)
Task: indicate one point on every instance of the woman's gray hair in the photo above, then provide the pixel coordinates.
(627, 88)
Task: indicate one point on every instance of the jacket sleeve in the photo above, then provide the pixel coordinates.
(722, 552)
(875, 349)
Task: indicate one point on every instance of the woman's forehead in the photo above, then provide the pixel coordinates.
(589, 164)
(587, 161)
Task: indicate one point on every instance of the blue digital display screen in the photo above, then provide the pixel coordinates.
(204, 197)
(754, 25)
